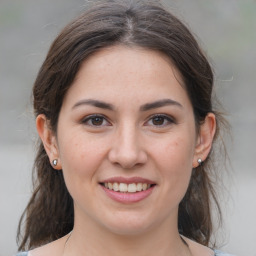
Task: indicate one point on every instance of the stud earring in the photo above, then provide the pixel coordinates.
(200, 161)
(54, 162)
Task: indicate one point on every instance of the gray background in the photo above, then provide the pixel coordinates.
(225, 28)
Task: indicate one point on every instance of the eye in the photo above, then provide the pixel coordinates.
(95, 120)
(160, 120)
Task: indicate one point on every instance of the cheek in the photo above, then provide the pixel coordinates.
(80, 157)
(177, 153)
(175, 160)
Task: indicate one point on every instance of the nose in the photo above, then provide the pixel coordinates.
(127, 149)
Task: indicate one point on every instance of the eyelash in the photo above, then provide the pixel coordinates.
(89, 119)
(167, 120)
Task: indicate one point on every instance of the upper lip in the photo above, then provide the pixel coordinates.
(128, 180)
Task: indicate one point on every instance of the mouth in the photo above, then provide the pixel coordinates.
(127, 187)
(128, 190)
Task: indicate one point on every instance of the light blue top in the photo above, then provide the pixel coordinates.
(219, 253)
(216, 253)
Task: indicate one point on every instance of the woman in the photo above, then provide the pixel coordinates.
(124, 112)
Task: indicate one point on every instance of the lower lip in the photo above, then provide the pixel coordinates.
(127, 198)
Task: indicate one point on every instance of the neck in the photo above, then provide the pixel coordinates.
(91, 240)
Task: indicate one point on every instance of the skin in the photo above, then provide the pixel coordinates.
(127, 139)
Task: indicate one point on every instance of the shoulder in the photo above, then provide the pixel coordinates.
(220, 253)
(22, 254)
(198, 249)
(52, 248)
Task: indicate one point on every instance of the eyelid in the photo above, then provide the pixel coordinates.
(167, 118)
(171, 120)
(90, 117)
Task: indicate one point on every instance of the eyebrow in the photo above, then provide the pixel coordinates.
(95, 103)
(160, 103)
(145, 107)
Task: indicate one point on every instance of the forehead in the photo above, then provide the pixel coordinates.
(127, 72)
(128, 60)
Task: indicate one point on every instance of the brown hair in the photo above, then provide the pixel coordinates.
(49, 214)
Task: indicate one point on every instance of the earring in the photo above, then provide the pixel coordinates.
(54, 162)
(200, 161)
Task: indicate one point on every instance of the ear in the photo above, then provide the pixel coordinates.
(205, 139)
(49, 140)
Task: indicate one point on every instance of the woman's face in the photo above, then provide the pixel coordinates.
(127, 141)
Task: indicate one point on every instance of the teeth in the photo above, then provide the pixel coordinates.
(110, 186)
(139, 187)
(124, 188)
(144, 186)
(132, 188)
(115, 186)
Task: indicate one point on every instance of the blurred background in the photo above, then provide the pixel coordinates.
(226, 30)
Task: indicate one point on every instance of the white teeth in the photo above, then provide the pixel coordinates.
(110, 186)
(115, 186)
(139, 186)
(124, 188)
(144, 186)
(132, 188)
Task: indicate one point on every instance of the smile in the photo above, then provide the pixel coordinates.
(127, 188)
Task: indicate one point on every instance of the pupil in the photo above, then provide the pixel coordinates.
(97, 120)
(158, 120)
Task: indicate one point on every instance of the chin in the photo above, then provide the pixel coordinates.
(129, 224)
(127, 231)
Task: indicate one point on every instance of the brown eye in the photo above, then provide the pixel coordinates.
(158, 120)
(96, 121)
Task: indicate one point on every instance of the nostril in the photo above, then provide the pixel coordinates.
(127, 159)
